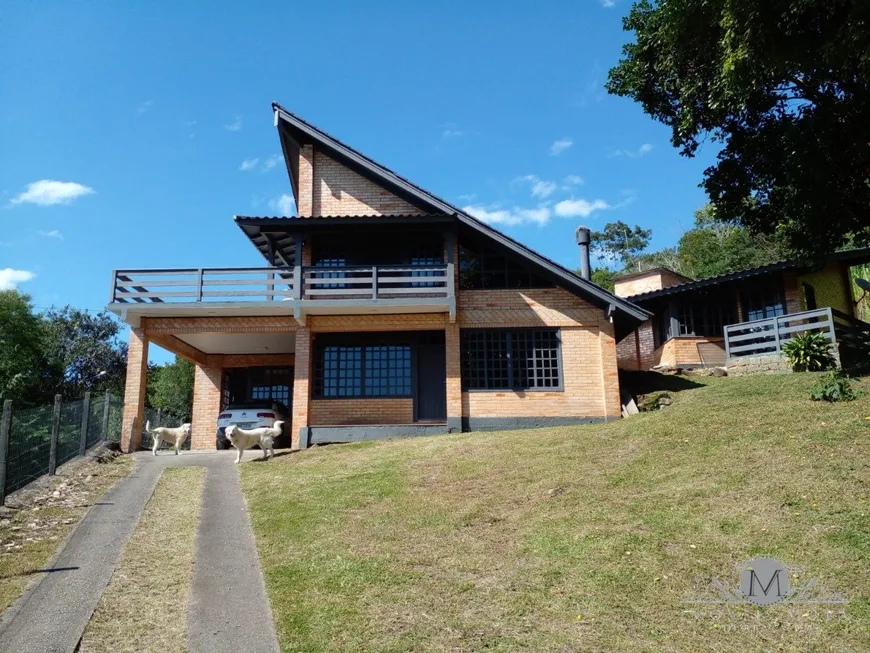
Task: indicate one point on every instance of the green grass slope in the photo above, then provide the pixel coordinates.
(578, 538)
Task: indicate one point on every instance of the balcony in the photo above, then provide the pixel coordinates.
(297, 291)
(760, 337)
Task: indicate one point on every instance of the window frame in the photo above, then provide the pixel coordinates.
(318, 384)
(560, 369)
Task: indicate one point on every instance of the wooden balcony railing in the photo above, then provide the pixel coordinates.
(376, 282)
(185, 285)
(766, 336)
(348, 283)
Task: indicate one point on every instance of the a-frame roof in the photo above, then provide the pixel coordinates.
(294, 132)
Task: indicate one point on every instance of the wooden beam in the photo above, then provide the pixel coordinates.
(251, 360)
(179, 347)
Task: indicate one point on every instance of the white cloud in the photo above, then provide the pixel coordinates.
(283, 205)
(9, 278)
(574, 180)
(579, 208)
(496, 215)
(271, 162)
(451, 133)
(54, 233)
(249, 164)
(608, 4)
(145, 107)
(46, 192)
(540, 187)
(560, 146)
(644, 149)
(234, 126)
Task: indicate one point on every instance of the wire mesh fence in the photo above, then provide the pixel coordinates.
(35, 441)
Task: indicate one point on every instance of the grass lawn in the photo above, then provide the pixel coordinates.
(144, 607)
(31, 535)
(578, 538)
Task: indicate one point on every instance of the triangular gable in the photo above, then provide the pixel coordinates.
(296, 133)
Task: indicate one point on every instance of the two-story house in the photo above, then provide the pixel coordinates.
(382, 311)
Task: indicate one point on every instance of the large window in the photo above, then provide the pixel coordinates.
(762, 301)
(344, 370)
(511, 359)
(483, 267)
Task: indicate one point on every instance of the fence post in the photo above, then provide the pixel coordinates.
(55, 433)
(374, 282)
(776, 332)
(105, 432)
(5, 428)
(86, 415)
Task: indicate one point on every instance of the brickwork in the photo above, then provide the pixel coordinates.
(305, 187)
(301, 385)
(684, 351)
(454, 372)
(134, 391)
(252, 360)
(340, 191)
(206, 407)
(346, 412)
(583, 394)
(636, 284)
(609, 370)
(540, 307)
(628, 352)
(354, 323)
(792, 292)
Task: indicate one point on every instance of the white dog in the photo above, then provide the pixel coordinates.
(264, 436)
(176, 436)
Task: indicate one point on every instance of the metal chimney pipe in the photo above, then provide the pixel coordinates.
(583, 240)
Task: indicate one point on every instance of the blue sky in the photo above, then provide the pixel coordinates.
(156, 116)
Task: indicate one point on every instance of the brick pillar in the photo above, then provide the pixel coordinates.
(206, 407)
(134, 391)
(454, 379)
(301, 388)
(609, 372)
(305, 189)
(792, 292)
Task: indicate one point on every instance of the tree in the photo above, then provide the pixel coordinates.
(170, 388)
(604, 277)
(784, 87)
(82, 352)
(619, 242)
(22, 338)
(716, 247)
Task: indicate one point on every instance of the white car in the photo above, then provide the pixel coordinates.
(253, 415)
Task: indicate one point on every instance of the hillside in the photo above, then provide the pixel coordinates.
(577, 538)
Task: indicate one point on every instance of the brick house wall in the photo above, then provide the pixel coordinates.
(591, 386)
(635, 284)
(337, 412)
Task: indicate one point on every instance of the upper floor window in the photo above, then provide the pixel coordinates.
(483, 267)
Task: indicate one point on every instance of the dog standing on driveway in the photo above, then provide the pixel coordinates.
(242, 439)
(176, 436)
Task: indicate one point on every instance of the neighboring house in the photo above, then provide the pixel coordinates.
(383, 310)
(710, 322)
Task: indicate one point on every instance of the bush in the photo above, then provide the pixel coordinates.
(809, 352)
(833, 386)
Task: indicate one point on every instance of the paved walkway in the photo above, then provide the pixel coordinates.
(228, 609)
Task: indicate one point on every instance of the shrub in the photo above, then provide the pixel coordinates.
(809, 352)
(833, 386)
